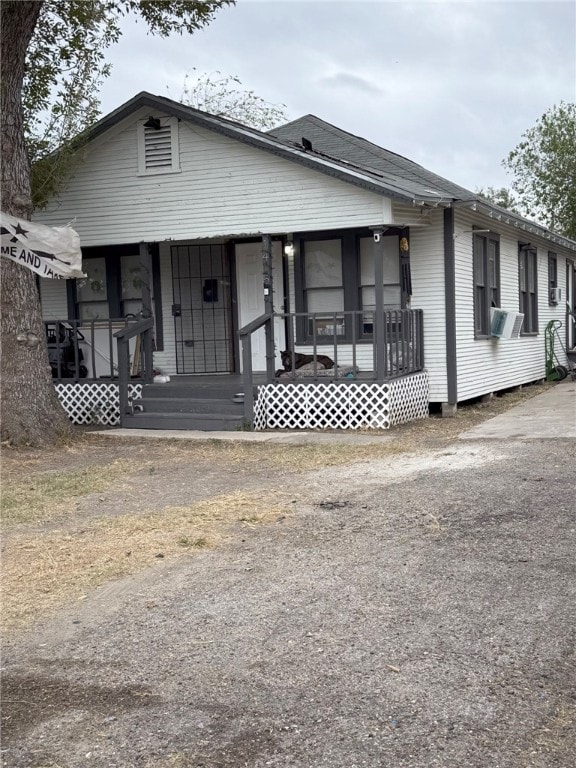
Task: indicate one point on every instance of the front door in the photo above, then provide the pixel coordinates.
(202, 308)
(250, 281)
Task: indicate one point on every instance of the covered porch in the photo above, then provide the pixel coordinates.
(233, 314)
(350, 395)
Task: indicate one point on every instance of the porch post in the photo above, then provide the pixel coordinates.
(379, 325)
(268, 304)
(147, 341)
(146, 274)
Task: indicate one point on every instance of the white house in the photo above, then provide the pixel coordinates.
(298, 226)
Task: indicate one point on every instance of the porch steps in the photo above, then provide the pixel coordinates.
(205, 422)
(204, 404)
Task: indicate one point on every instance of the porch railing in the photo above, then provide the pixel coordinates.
(141, 329)
(85, 350)
(348, 339)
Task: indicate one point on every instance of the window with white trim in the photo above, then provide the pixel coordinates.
(158, 148)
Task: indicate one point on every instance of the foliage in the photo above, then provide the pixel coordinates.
(66, 66)
(221, 95)
(502, 197)
(544, 166)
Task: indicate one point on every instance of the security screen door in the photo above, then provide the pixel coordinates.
(202, 308)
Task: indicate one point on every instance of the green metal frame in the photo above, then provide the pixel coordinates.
(555, 371)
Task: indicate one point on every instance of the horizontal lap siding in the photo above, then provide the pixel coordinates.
(427, 265)
(487, 365)
(224, 188)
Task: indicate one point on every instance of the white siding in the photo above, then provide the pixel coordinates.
(487, 365)
(404, 215)
(427, 264)
(224, 188)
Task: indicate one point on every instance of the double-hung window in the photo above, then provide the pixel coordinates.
(92, 290)
(528, 287)
(324, 286)
(486, 258)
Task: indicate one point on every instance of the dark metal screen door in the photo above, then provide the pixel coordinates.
(201, 309)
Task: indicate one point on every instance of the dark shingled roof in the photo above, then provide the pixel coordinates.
(333, 142)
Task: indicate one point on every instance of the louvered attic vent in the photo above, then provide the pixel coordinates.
(158, 147)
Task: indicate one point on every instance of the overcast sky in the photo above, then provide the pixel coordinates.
(450, 85)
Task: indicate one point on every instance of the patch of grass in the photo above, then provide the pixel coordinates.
(36, 495)
(186, 541)
(296, 458)
(42, 571)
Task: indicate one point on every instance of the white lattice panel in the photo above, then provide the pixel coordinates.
(342, 406)
(410, 396)
(94, 402)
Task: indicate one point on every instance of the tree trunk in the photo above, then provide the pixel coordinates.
(31, 412)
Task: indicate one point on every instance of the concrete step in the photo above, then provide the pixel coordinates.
(205, 422)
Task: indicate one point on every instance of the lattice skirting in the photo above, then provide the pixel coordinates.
(342, 406)
(94, 402)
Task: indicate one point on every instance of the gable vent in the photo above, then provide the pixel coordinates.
(158, 147)
(158, 150)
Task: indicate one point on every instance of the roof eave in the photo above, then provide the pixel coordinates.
(496, 213)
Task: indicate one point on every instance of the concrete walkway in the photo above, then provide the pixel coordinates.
(284, 438)
(550, 415)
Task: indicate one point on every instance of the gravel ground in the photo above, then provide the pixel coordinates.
(413, 611)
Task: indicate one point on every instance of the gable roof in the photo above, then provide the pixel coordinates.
(333, 142)
(337, 153)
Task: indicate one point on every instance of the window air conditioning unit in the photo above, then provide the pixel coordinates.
(555, 295)
(505, 325)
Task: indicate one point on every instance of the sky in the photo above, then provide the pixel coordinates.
(451, 85)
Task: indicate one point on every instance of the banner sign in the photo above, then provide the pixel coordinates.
(48, 251)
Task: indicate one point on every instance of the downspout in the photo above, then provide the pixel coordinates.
(449, 407)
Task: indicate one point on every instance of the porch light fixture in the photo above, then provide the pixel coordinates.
(153, 122)
(289, 248)
(471, 232)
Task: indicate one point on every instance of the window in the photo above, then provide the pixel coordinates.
(552, 276)
(158, 148)
(391, 269)
(334, 278)
(528, 287)
(114, 284)
(324, 286)
(131, 282)
(486, 258)
(92, 290)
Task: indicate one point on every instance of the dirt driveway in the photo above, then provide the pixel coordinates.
(405, 604)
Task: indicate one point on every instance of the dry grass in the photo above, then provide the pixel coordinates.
(44, 570)
(33, 496)
(295, 458)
